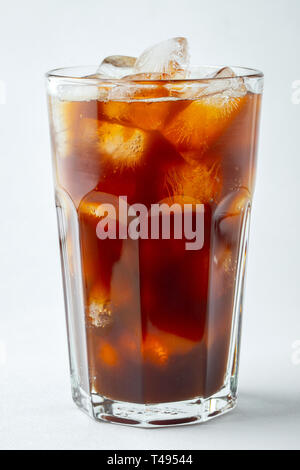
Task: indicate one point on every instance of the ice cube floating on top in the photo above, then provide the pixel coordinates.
(169, 57)
(167, 61)
(116, 66)
(213, 103)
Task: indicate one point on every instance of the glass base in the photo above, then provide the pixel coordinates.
(179, 413)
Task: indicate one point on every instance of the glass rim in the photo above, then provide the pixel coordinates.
(68, 73)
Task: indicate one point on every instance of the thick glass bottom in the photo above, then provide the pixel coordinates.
(196, 410)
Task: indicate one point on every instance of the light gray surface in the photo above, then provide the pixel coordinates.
(36, 410)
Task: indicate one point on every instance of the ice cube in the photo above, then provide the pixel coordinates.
(61, 127)
(146, 115)
(230, 213)
(84, 92)
(233, 87)
(148, 76)
(100, 314)
(155, 351)
(140, 86)
(116, 66)
(201, 83)
(125, 146)
(200, 72)
(130, 89)
(201, 181)
(99, 308)
(120, 146)
(225, 72)
(169, 56)
(91, 204)
(108, 355)
(199, 124)
(159, 347)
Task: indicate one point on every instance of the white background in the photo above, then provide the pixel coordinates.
(36, 410)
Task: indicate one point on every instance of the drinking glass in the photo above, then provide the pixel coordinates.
(153, 185)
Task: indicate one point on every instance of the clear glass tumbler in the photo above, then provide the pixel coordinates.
(153, 184)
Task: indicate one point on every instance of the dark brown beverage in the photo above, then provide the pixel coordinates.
(159, 317)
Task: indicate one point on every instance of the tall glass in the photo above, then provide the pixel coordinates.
(153, 185)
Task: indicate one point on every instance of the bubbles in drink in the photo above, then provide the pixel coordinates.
(117, 144)
(225, 269)
(100, 314)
